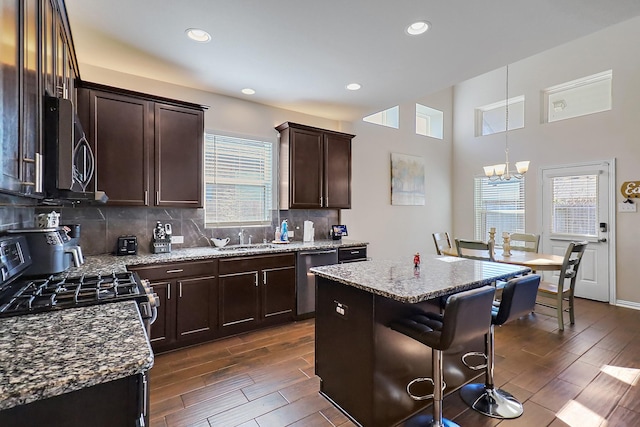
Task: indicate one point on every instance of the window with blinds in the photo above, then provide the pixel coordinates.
(499, 205)
(238, 180)
(575, 205)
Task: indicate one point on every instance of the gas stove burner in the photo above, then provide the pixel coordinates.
(67, 292)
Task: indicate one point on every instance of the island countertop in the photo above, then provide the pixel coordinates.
(48, 354)
(437, 276)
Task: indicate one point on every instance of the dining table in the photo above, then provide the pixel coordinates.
(536, 261)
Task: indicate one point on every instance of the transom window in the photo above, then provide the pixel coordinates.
(238, 181)
(499, 205)
(492, 118)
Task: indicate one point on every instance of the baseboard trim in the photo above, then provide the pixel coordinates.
(628, 304)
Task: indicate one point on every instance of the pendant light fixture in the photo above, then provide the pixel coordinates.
(501, 172)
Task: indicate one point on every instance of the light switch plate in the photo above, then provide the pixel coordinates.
(177, 239)
(627, 207)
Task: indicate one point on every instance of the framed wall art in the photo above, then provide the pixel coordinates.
(407, 180)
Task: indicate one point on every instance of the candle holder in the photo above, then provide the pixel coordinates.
(506, 245)
(492, 239)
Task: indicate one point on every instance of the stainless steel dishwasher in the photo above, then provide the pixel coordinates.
(306, 281)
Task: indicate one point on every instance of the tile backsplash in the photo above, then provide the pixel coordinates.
(16, 212)
(101, 226)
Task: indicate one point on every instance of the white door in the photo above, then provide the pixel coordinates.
(577, 204)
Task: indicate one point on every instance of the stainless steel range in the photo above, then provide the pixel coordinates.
(19, 296)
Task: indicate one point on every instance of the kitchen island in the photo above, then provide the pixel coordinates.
(364, 366)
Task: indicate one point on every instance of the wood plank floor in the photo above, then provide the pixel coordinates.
(586, 376)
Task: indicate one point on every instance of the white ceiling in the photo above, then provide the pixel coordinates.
(300, 54)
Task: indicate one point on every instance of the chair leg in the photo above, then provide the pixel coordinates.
(487, 399)
(572, 315)
(560, 311)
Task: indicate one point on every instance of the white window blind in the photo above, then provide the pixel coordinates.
(238, 175)
(499, 205)
(575, 203)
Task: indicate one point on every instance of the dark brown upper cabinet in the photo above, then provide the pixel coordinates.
(315, 167)
(148, 150)
(36, 58)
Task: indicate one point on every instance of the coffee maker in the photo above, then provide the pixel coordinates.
(161, 243)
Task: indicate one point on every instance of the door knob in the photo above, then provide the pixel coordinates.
(604, 239)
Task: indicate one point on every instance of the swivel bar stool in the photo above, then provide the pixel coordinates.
(518, 299)
(466, 317)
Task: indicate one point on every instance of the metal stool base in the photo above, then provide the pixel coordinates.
(494, 403)
(427, 421)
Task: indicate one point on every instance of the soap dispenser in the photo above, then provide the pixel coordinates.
(284, 231)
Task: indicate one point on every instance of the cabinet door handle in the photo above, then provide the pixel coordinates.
(39, 173)
(264, 277)
(168, 291)
(179, 289)
(256, 279)
(157, 197)
(146, 198)
(177, 270)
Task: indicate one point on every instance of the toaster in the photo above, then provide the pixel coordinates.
(127, 245)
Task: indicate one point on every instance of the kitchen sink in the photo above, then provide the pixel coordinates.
(246, 248)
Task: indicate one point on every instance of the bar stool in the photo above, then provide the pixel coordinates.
(518, 299)
(466, 317)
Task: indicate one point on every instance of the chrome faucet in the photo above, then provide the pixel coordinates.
(241, 236)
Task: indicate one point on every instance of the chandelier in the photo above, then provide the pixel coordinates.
(501, 172)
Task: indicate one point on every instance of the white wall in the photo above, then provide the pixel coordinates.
(225, 113)
(602, 136)
(400, 231)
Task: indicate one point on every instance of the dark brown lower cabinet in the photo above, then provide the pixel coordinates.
(256, 291)
(188, 311)
(204, 300)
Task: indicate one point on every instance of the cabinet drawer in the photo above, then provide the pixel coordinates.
(177, 269)
(255, 263)
(358, 253)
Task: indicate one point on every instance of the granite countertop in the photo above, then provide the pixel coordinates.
(48, 354)
(437, 276)
(108, 263)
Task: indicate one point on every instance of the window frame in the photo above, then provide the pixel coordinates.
(270, 212)
(481, 225)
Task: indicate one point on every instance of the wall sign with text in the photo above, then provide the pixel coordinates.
(630, 189)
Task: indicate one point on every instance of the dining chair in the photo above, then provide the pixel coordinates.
(442, 241)
(564, 289)
(525, 242)
(475, 249)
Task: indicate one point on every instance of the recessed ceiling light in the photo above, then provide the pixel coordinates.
(353, 86)
(198, 35)
(418, 28)
(248, 91)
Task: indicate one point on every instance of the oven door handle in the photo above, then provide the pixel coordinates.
(154, 315)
